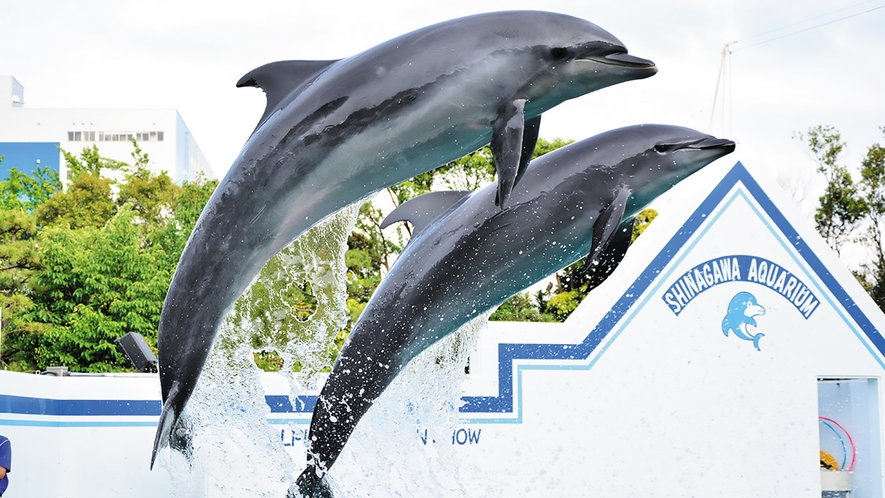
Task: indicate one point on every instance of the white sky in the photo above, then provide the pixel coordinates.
(188, 54)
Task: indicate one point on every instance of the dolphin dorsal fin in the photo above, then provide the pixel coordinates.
(279, 79)
(422, 210)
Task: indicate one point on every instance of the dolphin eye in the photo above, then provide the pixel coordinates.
(559, 52)
(662, 147)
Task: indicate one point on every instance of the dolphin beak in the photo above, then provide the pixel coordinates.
(626, 60)
(616, 57)
(714, 143)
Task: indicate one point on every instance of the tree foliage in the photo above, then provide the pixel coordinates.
(81, 267)
(841, 206)
(21, 191)
(847, 206)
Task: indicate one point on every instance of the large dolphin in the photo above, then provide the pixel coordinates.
(467, 256)
(335, 132)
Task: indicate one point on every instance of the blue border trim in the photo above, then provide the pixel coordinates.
(79, 407)
(60, 423)
(23, 405)
(508, 354)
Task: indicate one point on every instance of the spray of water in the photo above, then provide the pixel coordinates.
(392, 452)
(401, 448)
(235, 451)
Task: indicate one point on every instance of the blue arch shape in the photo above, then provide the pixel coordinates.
(741, 268)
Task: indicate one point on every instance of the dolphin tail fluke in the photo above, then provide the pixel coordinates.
(310, 485)
(756, 340)
(173, 431)
(164, 428)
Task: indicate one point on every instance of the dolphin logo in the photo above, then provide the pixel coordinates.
(467, 256)
(334, 132)
(742, 312)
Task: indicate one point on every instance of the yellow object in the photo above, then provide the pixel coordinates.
(827, 461)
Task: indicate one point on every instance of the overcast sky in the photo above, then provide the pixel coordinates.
(189, 54)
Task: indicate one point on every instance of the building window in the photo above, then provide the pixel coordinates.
(81, 136)
(141, 136)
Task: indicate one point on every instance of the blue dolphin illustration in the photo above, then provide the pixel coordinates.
(467, 256)
(335, 132)
(742, 311)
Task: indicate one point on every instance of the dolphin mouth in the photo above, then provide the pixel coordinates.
(713, 143)
(615, 55)
(623, 59)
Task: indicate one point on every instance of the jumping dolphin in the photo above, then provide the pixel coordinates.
(467, 256)
(335, 132)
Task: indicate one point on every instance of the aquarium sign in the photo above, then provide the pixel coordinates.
(740, 269)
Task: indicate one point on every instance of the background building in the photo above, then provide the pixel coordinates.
(29, 137)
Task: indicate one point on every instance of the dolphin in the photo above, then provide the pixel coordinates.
(335, 132)
(742, 312)
(467, 255)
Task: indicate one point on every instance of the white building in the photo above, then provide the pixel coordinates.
(32, 136)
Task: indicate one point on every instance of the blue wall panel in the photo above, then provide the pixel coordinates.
(24, 156)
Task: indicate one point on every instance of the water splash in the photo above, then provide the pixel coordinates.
(402, 445)
(266, 316)
(235, 451)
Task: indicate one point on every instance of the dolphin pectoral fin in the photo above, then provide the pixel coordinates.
(422, 210)
(508, 131)
(606, 226)
(611, 257)
(279, 79)
(529, 140)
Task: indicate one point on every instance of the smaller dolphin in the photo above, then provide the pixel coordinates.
(467, 256)
(742, 311)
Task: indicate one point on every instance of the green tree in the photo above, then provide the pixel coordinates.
(523, 307)
(841, 206)
(20, 195)
(87, 202)
(95, 285)
(90, 162)
(99, 263)
(27, 192)
(847, 205)
(872, 188)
